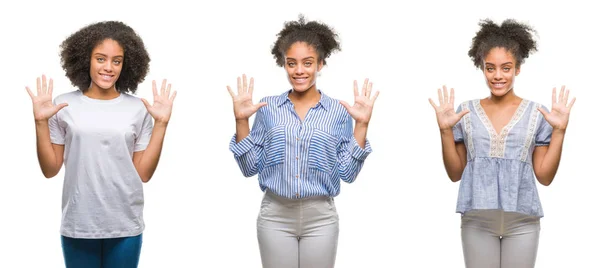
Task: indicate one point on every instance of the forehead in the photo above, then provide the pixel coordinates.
(301, 50)
(108, 47)
(499, 55)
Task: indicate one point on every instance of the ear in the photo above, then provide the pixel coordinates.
(518, 70)
(320, 66)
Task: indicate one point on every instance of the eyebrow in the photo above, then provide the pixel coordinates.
(311, 57)
(489, 63)
(100, 54)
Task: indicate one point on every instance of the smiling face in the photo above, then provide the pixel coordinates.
(105, 65)
(302, 65)
(500, 69)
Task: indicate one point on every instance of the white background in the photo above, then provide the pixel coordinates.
(201, 212)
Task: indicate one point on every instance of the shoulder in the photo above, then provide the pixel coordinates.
(68, 96)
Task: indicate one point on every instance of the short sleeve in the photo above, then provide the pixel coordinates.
(57, 133)
(457, 130)
(544, 132)
(144, 136)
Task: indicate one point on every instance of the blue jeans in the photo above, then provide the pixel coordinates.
(122, 252)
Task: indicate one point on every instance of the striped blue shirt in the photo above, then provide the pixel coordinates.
(297, 159)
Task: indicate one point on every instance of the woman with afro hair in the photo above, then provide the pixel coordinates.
(301, 145)
(497, 147)
(107, 141)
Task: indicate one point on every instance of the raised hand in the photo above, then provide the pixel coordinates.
(558, 117)
(363, 103)
(243, 107)
(43, 108)
(161, 109)
(445, 113)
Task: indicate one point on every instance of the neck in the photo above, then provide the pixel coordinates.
(96, 92)
(509, 97)
(309, 96)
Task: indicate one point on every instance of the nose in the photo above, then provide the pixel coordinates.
(107, 67)
(497, 75)
(299, 70)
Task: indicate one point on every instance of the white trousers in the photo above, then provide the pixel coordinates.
(297, 233)
(498, 239)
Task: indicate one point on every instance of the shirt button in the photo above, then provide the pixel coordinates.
(297, 195)
(297, 176)
(296, 157)
(297, 138)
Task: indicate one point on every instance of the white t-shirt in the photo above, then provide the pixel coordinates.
(102, 193)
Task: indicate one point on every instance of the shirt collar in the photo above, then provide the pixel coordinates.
(325, 100)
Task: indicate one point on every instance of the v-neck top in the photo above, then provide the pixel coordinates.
(499, 171)
(298, 159)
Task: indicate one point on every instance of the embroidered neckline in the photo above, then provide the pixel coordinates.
(498, 140)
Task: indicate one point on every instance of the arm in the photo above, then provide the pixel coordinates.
(351, 155)
(146, 161)
(246, 145)
(552, 133)
(454, 152)
(50, 156)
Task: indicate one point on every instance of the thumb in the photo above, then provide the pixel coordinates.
(260, 105)
(60, 106)
(462, 113)
(544, 113)
(146, 103)
(345, 104)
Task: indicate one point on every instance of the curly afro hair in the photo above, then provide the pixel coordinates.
(515, 37)
(318, 35)
(76, 50)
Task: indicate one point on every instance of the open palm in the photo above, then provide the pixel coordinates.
(43, 108)
(161, 109)
(558, 117)
(363, 103)
(243, 107)
(445, 113)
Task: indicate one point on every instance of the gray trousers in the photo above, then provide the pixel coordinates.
(297, 233)
(498, 239)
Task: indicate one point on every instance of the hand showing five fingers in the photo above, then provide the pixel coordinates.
(161, 109)
(43, 108)
(363, 103)
(446, 116)
(243, 107)
(558, 117)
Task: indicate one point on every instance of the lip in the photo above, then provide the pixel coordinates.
(300, 80)
(498, 85)
(107, 77)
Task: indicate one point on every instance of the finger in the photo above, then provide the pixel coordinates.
(245, 83)
(239, 82)
(39, 86)
(44, 85)
(543, 112)
(260, 105)
(566, 98)
(230, 92)
(168, 90)
(173, 96)
(364, 87)
(163, 87)
(346, 105)
(445, 95)
(154, 88)
(375, 96)
(462, 113)
(29, 92)
(369, 88)
(571, 104)
(251, 87)
(60, 106)
(440, 98)
(50, 87)
(146, 103)
(433, 104)
(562, 94)
(452, 97)
(355, 88)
